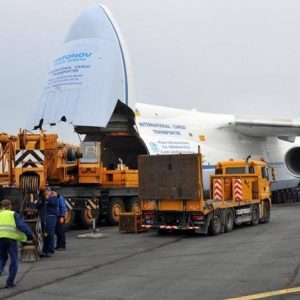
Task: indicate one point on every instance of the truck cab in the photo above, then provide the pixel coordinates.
(243, 167)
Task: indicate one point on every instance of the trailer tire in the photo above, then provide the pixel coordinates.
(228, 220)
(267, 210)
(255, 215)
(115, 207)
(134, 205)
(69, 219)
(86, 218)
(215, 225)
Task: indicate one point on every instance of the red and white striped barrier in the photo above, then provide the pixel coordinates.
(238, 189)
(170, 227)
(176, 227)
(218, 189)
(146, 226)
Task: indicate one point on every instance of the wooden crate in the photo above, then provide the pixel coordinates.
(131, 223)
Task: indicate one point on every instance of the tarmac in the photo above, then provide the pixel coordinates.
(246, 261)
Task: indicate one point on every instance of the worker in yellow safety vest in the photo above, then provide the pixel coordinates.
(12, 229)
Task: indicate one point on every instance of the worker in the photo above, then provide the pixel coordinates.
(12, 229)
(48, 209)
(60, 225)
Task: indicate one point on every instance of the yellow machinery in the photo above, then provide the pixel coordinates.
(171, 190)
(31, 161)
(7, 155)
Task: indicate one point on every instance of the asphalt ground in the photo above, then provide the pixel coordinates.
(246, 261)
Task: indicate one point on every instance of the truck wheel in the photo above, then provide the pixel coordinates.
(229, 220)
(86, 218)
(115, 207)
(255, 216)
(69, 219)
(215, 226)
(134, 205)
(267, 211)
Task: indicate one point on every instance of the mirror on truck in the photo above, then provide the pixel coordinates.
(91, 152)
(265, 173)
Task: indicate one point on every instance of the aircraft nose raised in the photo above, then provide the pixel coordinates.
(90, 74)
(94, 22)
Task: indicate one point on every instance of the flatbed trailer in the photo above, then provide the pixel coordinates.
(171, 193)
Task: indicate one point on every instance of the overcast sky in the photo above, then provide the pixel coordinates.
(227, 56)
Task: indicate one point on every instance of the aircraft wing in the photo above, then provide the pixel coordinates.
(286, 129)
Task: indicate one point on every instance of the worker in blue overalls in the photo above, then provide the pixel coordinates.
(12, 229)
(48, 209)
(60, 225)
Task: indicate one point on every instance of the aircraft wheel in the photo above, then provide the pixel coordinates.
(279, 197)
(275, 197)
(290, 195)
(284, 196)
(287, 196)
(295, 195)
(298, 195)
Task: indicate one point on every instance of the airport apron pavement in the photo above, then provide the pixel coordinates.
(246, 261)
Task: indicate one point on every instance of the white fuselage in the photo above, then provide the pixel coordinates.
(167, 130)
(92, 73)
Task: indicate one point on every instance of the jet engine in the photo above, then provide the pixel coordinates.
(292, 161)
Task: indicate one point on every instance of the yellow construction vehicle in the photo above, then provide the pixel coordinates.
(171, 190)
(7, 154)
(30, 161)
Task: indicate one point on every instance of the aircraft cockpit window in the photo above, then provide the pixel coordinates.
(235, 170)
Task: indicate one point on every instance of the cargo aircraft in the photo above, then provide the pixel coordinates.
(90, 85)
